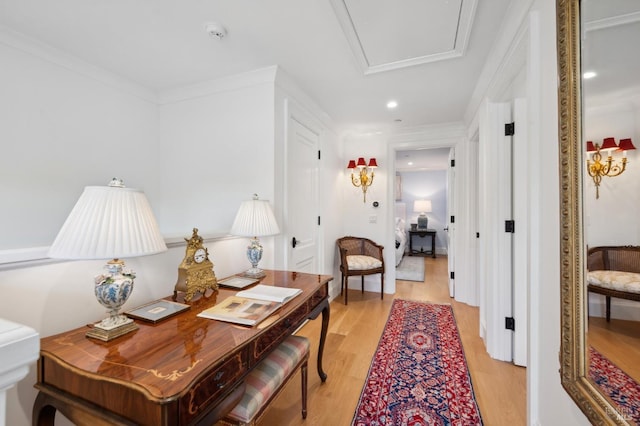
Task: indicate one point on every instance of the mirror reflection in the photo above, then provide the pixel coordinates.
(610, 66)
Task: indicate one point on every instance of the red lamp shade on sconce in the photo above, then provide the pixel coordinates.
(352, 164)
(372, 163)
(609, 143)
(626, 145)
(590, 146)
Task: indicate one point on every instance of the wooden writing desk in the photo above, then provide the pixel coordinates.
(175, 372)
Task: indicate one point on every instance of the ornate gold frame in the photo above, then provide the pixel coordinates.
(573, 350)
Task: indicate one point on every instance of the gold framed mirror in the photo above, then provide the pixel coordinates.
(574, 350)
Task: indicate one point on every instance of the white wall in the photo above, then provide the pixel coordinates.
(217, 149)
(612, 219)
(61, 129)
(361, 218)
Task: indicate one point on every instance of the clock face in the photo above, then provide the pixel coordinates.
(200, 255)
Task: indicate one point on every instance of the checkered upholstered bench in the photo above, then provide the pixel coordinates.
(266, 380)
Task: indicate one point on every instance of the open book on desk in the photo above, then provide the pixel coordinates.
(250, 307)
(271, 293)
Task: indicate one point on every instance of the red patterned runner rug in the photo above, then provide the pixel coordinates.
(418, 375)
(621, 389)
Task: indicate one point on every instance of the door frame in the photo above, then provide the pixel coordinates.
(437, 136)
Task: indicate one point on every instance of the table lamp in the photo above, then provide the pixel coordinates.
(110, 222)
(423, 207)
(254, 219)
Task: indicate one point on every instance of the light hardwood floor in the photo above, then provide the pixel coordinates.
(619, 341)
(354, 332)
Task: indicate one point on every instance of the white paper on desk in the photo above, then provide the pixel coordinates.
(271, 293)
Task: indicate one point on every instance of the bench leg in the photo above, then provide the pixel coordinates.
(303, 374)
(608, 307)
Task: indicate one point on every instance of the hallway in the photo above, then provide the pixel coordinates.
(353, 335)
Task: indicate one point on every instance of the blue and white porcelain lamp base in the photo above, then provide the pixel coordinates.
(254, 254)
(112, 289)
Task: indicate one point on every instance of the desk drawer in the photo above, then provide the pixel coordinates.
(285, 327)
(212, 386)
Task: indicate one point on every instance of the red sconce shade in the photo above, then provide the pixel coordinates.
(626, 145)
(361, 162)
(352, 164)
(608, 143)
(590, 146)
(372, 163)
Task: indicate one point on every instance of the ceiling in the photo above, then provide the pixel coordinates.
(422, 160)
(350, 56)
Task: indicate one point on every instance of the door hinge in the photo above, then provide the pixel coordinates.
(510, 226)
(510, 323)
(318, 154)
(318, 220)
(477, 235)
(453, 219)
(452, 275)
(510, 129)
(453, 162)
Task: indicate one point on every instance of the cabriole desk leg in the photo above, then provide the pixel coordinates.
(324, 308)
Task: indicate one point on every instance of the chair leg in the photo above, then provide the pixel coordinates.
(608, 307)
(362, 278)
(381, 286)
(303, 374)
(346, 289)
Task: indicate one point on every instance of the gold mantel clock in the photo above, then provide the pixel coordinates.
(195, 273)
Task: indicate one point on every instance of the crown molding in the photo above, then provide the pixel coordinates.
(256, 77)
(45, 52)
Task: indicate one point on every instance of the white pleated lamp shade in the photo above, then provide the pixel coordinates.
(422, 206)
(255, 219)
(109, 222)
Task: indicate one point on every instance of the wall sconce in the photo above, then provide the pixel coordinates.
(364, 176)
(597, 169)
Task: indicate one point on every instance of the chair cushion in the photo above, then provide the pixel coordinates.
(615, 280)
(267, 377)
(358, 262)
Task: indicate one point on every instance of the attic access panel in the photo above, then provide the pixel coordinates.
(386, 35)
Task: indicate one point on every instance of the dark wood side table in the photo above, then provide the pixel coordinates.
(180, 371)
(423, 233)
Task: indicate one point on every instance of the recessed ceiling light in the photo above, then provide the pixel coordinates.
(392, 104)
(589, 74)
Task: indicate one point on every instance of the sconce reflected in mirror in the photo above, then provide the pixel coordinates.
(363, 176)
(597, 168)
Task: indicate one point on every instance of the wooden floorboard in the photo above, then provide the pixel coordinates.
(354, 332)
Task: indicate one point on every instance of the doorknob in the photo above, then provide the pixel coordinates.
(446, 228)
(294, 242)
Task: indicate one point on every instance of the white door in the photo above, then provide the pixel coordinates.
(301, 193)
(495, 242)
(520, 236)
(451, 225)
